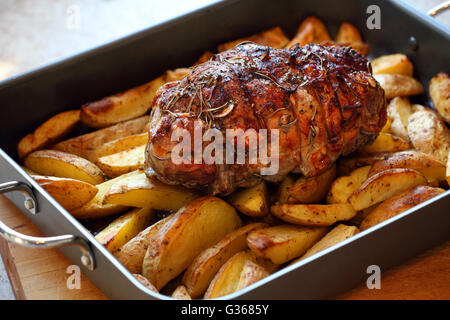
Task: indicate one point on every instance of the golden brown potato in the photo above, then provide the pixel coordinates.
(346, 165)
(252, 201)
(204, 57)
(338, 234)
(274, 38)
(145, 282)
(123, 162)
(432, 169)
(440, 94)
(137, 189)
(429, 134)
(344, 186)
(85, 145)
(70, 193)
(202, 270)
(132, 253)
(392, 64)
(282, 243)
(283, 188)
(49, 132)
(384, 143)
(399, 203)
(124, 228)
(348, 33)
(195, 227)
(313, 214)
(181, 293)
(311, 30)
(120, 107)
(383, 185)
(119, 145)
(399, 110)
(176, 74)
(309, 190)
(64, 165)
(398, 85)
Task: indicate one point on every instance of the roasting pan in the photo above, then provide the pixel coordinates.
(28, 100)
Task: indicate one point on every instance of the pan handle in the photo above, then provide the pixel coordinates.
(439, 8)
(87, 255)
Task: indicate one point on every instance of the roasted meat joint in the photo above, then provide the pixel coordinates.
(295, 110)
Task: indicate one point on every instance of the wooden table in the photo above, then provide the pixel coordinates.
(41, 274)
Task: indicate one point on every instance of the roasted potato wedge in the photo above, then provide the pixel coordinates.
(95, 207)
(384, 143)
(64, 165)
(120, 107)
(343, 187)
(440, 94)
(384, 185)
(311, 30)
(49, 132)
(392, 64)
(132, 253)
(123, 162)
(119, 145)
(238, 272)
(252, 201)
(282, 243)
(432, 169)
(399, 110)
(181, 293)
(347, 165)
(124, 228)
(195, 227)
(69, 193)
(399, 203)
(145, 282)
(429, 134)
(313, 214)
(202, 270)
(336, 235)
(176, 74)
(309, 190)
(274, 38)
(86, 144)
(348, 33)
(139, 190)
(398, 85)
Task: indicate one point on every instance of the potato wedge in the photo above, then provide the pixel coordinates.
(384, 185)
(120, 107)
(283, 188)
(119, 145)
(440, 94)
(392, 64)
(336, 235)
(123, 162)
(399, 203)
(181, 293)
(195, 227)
(85, 145)
(95, 207)
(238, 272)
(343, 187)
(432, 169)
(386, 142)
(145, 282)
(64, 165)
(398, 85)
(311, 30)
(274, 38)
(203, 269)
(387, 126)
(48, 132)
(69, 193)
(139, 190)
(399, 110)
(282, 243)
(132, 253)
(176, 74)
(347, 165)
(429, 134)
(312, 189)
(348, 33)
(124, 228)
(252, 201)
(323, 215)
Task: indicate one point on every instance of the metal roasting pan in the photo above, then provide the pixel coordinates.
(29, 99)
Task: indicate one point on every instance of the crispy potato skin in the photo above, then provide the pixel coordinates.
(344, 186)
(399, 203)
(123, 162)
(145, 282)
(274, 38)
(48, 132)
(181, 293)
(399, 110)
(398, 85)
(252, 201)
(393, 64)
(119, 145)
(440, 94)
(311, 30)
(384, 143)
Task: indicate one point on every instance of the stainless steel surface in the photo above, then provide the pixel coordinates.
(439, 8)
(30, 202)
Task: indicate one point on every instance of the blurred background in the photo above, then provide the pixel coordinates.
(39, 32)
